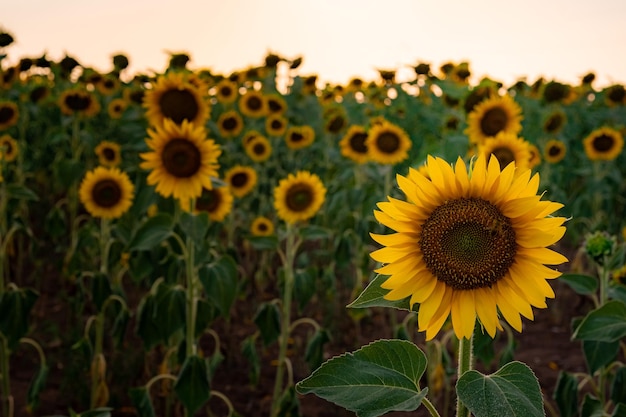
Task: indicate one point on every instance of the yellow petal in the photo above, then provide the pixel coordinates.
(542, 255)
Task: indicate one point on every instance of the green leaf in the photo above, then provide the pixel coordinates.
(582, 284)
(599, 354)
(15, 307)
(100, 289)
(170, 312)
(21, 192)
(37, 384)
(263, 242)
(372, 296)
(220, 281)
(267, 319)
(192, 385)
(152, 232)
(97, 412)
(248, 349)
(591, 407)
(195, 226)
(620, 410)
(604, 324)
(147, 327)
(206, 314)
(511, 391)
(566, 394)
(304, 285)
(314, 354)
(618, 387)
(140, 398)
(378, 378)
(311, 232)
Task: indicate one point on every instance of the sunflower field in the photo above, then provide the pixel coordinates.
(261, 243)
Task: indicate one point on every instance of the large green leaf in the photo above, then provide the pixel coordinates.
(373, 296)
(220, 282)
(599, 354)
(511, 391)
(591, 407)
(566, 394)
(152, 232)
(618, 388)
(21, 192)
(582, 284)
(267, 320)
(192, 385)
(376, 379)
(195, 225)
(604, 324)
(15, 307)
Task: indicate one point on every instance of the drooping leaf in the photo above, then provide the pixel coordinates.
(192, 385)
(378, 378)
(267, 319)
(37, 385)
(100, 289)
(591, 407)
(220, 282)
(604, 324)
(314, 354)
(152, 232)
(511, 391)
(15, 307)
(566, 394)
(248, 349)
(618, 387)
(140, 398)
(372, 296)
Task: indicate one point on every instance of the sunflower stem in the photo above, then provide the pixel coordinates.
(285, 319)
(465, 364)
(191, 299)
(5, 392)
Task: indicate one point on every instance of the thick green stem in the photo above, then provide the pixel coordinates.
(285, 323)
(465, 364)
(5, 394)
(97, 360)
(192, 304)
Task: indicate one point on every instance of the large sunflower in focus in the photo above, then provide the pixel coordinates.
(353, 146)
(469, 245)
(492, 116)
(387, 143)
(241, 180)
(182, 160)
(172, 97)
(106, 192)
(508, 148)
(299, 197)
(603, 144)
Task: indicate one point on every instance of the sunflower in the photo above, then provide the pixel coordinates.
(492, 116)
(535, 155)
(298, 137)
(554, 122)
(353, 145)
(226, 91)
(117, 107)
(387, 143)
(253, 104)
(8, 148)
(299, 197)
(79, 102)
(217, 202)
(108, 153)
(507, 148)
(9, 114)
(107, 85)
(106, 192)
(182, 159)
(554, 151)
(469, 245)
(275, 125)
(172, 97)
(249, 135)
(335, 121)
(258, 149)
(615, 95)
(230, 124)
(604, 143)
(241, 180)
(276, 104)
(262, 226)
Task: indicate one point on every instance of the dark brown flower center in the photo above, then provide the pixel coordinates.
(254, 103)
(493, 121)
(554, 123)
(357, 142)
(296, 137)
(388, 142)
(262, 227)
(109, 154)
(603, 143)
(259, 149)
(239, 180)
(209, 201)
(181, 158)
(226, 91)
(299, 197)
(179, 105)
(616, 93)
(275, 106)
(276, 124)
(468, 243)
(554, 150)
(78, 101)
(229, 124)
(6, 113)
(504, 155)
(336, 124)
(106, 193)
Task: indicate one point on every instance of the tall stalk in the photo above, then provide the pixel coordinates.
(466, 359)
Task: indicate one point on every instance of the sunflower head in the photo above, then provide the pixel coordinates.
(230, 124)
(258, 148)
(241, 180)
(9, 114)
(217, 202)
(226, 91)
(253, 104)
(599, 246)
(603, 144)
(335, 120)
(492, 116)
(615, 95)
(276, 104)
(106, 192)
(181, 159)
(387, 143)
(262, 226)
(78, 102)
(8, 148)
(554, 122)
(469, 243)
(555, 91)
(507, 148)
(299, 197)
(276, 125)
(109, 154)
(298, 137)
(353, 144)
(117, 107)
(554, 151)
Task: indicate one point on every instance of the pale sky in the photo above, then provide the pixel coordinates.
(338, 39)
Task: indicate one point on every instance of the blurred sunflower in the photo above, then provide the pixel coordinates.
(310, 84)
(78, 102)
(299, 197)
(172, 97)
(492, 116)
(258, 149)
(535, 156)
(554, 151)
(387, 143)
(109, 154)
(134, 94)
(615, 95)
(335, 120)
(241, 180)
(353, 146)
(555, 121)
(298, 137)
(507, 148)
(106, 192)
(226, 91)
(117, 107)
(275, 125)
(253, 104)
(9, 114)
(469, 245)
(108, 85)
(182, 160)
(604, 144)
(276, 104)
(230, 124)
(249, 135)
(262, 226)
(217, 202)
(8, 148)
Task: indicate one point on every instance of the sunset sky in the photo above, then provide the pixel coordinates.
(338, 39)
